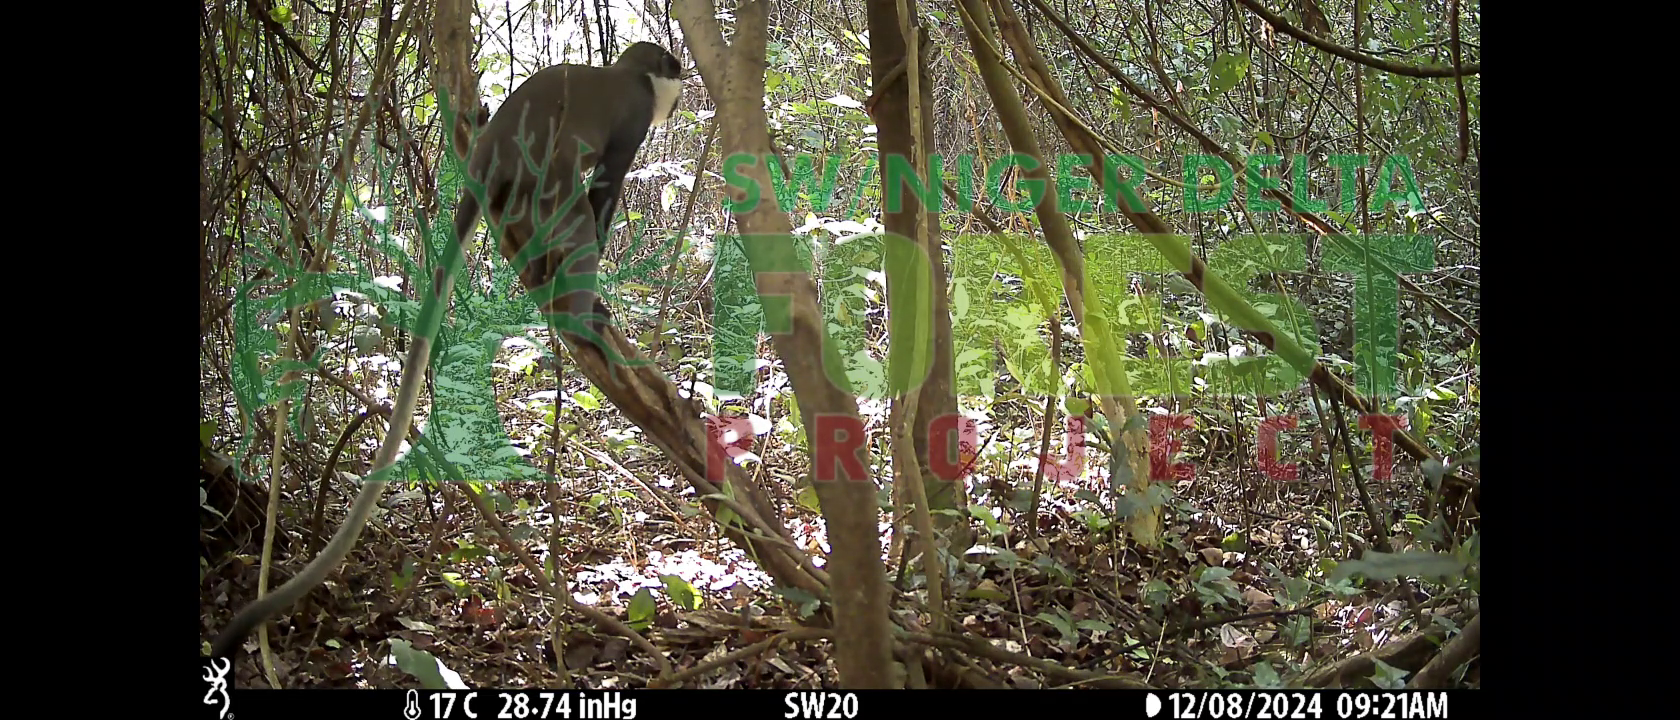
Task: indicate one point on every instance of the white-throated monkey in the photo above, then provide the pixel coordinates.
(520, 163)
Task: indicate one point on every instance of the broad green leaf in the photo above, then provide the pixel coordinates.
(1227, 71)
(682, 594)
(1061, 624)
(984, 515)
(425, 667)
(1094, 625)
(642, 607)
(1387, 676)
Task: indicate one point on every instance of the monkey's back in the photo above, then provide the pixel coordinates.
(559, 92)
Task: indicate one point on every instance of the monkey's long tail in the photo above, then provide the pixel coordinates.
(414, 370)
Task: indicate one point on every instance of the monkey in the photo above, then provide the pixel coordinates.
(604, 115)
(526, 162)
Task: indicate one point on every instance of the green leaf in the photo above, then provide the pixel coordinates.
(401, 577)
(1094, 625)
(586, 400)
(1061, 624)
(1294, 590)
(1227, 71)
(642, 608)
(807, 498)
(1298, 630)
(807, 602)
(1007, 558)
(423, 666)
(1387, 676)
(1234, 542)
(984, 515)
(1157, 592)
(1266, 676)
(682, 594)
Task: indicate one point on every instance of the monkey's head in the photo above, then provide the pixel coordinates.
(663, 71)
(651, 59)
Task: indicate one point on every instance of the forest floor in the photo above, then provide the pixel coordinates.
(1234, 595)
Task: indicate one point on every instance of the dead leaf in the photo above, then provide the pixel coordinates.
(1081, 610)
(1258, 600)
(1231, 636)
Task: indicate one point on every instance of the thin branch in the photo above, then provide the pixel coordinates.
(1422, 71)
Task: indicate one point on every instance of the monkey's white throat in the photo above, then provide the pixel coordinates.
(666, 93)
